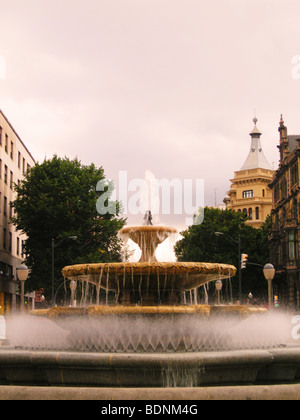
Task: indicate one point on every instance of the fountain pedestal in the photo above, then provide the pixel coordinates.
(147, 238)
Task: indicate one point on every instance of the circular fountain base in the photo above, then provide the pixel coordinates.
(254, 367)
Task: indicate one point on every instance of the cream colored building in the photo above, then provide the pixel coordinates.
(15, 160)
(249, 192)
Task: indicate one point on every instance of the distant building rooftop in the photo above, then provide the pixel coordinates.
(256, 158)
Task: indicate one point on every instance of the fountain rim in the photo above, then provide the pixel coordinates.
(148, 229)
(151, 268)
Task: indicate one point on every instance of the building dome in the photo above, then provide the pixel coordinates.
(256, 158)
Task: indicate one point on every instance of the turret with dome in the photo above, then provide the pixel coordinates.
(249, 192)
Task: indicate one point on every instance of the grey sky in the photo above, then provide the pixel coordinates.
(165, 85)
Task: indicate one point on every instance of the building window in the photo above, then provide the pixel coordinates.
(24, 167)
(5, 206)
(294, 173)
(6, 143)
(18, 246)
(250, 214)
(292, 246)
(4, 238)
(23, 249)
(257, 213)
(277, 193)
(11, 183)
(10, 242)
(0, 136)
(263, 193)
(248, 194)
(12, 150)
(5, 174)
(294, 210)
(245, 211)
(19, 160)
(283, 189)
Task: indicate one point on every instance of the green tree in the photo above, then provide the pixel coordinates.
(200, 244)
(56, 200)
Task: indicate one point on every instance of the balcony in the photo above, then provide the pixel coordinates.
(253, 200)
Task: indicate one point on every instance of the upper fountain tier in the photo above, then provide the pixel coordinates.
(148, 281)
(147, 238)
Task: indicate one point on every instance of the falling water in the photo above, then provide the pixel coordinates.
(149, 198)
(155, 333)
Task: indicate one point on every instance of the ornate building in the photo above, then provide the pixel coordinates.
(249, 192)
(284, 239)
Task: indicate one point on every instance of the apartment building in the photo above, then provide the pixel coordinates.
(285, 235)
(15, 161)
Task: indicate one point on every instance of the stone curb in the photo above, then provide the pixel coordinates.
(237, 393)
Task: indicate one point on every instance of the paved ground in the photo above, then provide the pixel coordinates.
(238, 393)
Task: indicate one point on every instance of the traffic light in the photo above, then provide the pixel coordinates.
(244, 261)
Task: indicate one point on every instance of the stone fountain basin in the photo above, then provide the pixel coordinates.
(181, 276)
(118, 372)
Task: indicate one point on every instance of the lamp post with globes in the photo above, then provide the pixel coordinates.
(22, 273)
(269, 273)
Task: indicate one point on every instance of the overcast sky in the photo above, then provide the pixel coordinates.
(165, 85)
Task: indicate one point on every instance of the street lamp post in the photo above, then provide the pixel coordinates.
(53, 246)
(22, 273)
(269, 273)
(239, 245)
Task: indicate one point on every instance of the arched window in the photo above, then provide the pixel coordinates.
(245, 212)
(257, 213)
(250, 214)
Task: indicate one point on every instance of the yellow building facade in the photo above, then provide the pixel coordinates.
(249, 192)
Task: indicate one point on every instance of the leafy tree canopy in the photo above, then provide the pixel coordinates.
(200, 244)
(56, 200)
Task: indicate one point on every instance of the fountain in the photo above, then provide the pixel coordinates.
(149, 336)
